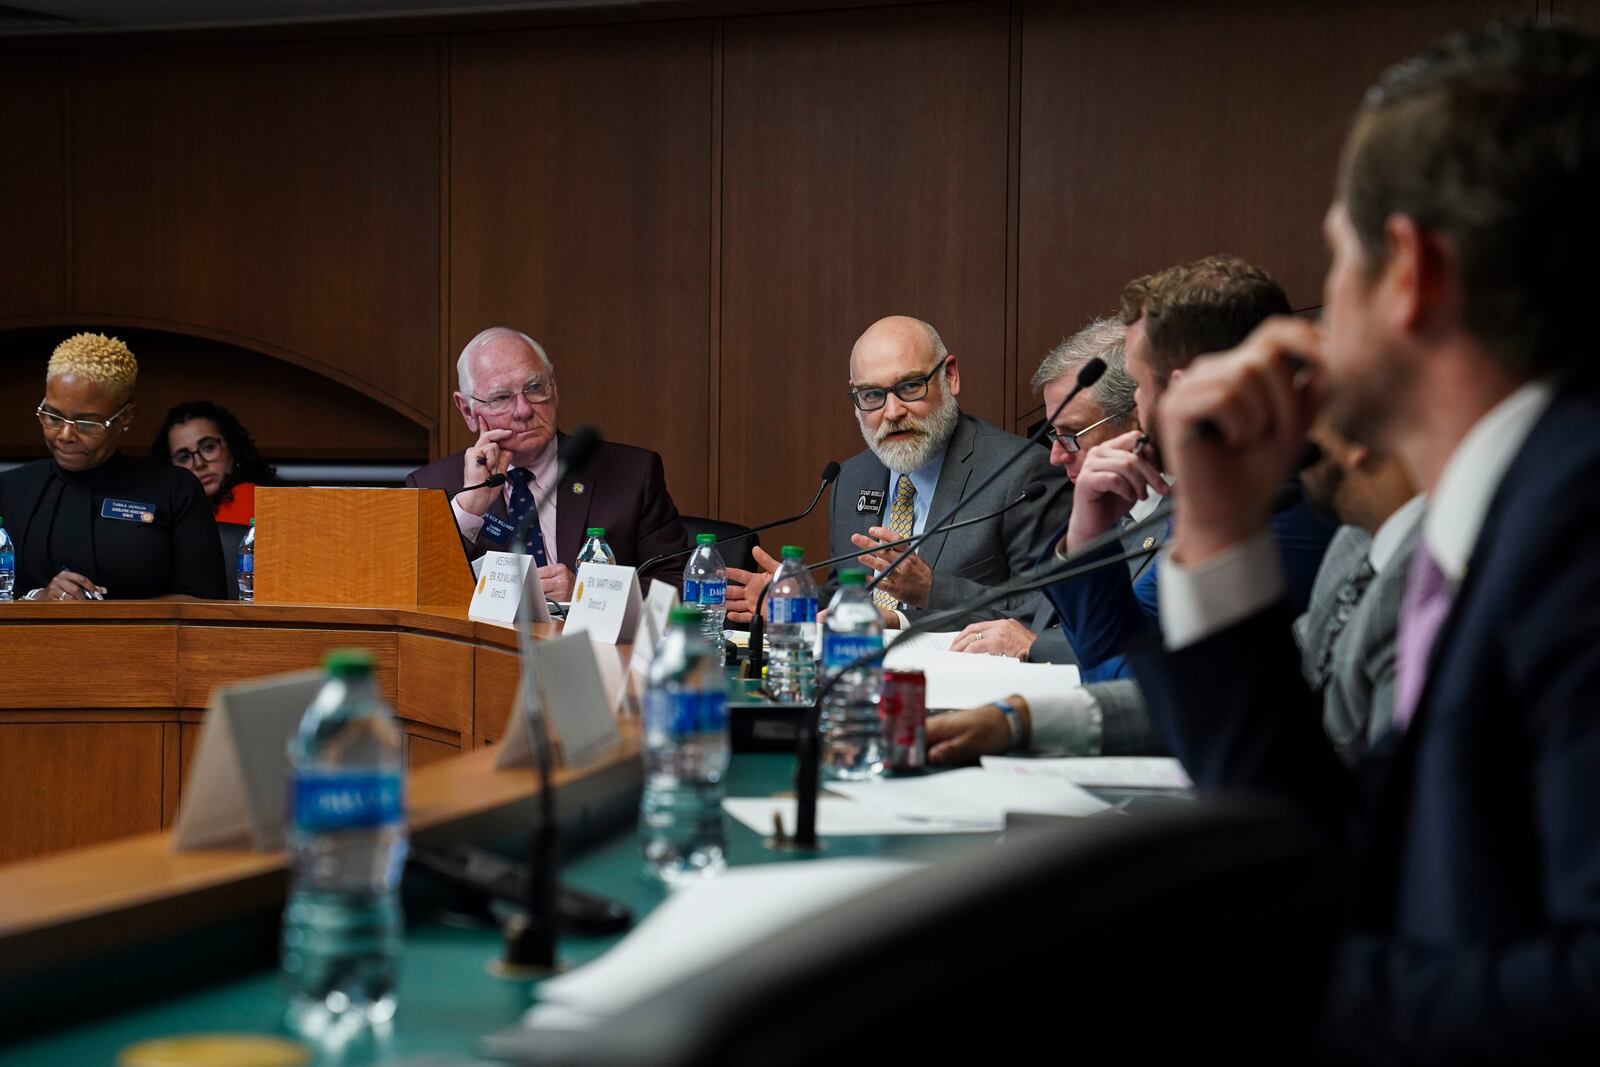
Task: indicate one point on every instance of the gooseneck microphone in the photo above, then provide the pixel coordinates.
(1088, 374)
(810, 742)
(494, 481)
(830, 474)
(534, 944)
(1030, 492)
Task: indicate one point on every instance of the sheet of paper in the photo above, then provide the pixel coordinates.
(971, 794)
(706, 924)
(1104, 772)
(932, 641)
(839, 817)
(965, 680)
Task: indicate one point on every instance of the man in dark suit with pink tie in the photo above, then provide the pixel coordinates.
(1458, 332)
(506, 392)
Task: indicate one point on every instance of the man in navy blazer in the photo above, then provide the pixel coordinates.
(1172, 317)
(507, 395)
(1456, 332)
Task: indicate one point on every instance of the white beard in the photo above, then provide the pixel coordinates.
(930, 434)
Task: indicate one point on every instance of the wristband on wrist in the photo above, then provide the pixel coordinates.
(1013, 721)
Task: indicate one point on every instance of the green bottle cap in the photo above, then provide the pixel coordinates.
(705, 539)
(595, 531)
(793, 552)
(252, 522)
(853, 577)
(685, 615)
(348, 662)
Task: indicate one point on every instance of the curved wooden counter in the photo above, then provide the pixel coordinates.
(100, 704)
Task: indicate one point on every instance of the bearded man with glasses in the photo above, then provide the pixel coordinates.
(90, 523)
(506, 392)
(923, 454)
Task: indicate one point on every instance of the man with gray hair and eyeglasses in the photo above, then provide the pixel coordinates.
(506, 392)
(1096, 414)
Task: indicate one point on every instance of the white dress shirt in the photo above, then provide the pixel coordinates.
(1197, 602)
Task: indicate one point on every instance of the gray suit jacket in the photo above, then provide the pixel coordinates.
(969, 562)
(1358, 691)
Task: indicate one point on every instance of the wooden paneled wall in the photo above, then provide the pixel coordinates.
(697, 216)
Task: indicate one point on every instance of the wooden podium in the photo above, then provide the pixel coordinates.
(368, 547)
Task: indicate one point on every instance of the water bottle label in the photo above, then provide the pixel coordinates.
(683, 714)
(8, 560)
(247, 563)
(794, 609)
(691, 591)
(711, 593)
(840, 649)
(347, 800)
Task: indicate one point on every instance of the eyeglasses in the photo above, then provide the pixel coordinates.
(1069, 441)
(874, 397)
(537, 391)
(207, 449)
(54, 423)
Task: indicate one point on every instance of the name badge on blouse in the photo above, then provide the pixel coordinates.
(497, 529)
(128, 511)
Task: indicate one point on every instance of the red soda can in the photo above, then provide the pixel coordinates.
(903, 710)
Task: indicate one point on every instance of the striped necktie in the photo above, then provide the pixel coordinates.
(901, 518)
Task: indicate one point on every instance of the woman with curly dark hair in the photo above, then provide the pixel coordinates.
(208, 440)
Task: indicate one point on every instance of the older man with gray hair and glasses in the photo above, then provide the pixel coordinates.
(1096, 414)
(507, 395)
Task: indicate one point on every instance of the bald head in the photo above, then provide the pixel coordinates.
(898, 336)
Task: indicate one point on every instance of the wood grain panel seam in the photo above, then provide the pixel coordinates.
(714, 302)
(439, 436)
(66, 70)
(1010, 365)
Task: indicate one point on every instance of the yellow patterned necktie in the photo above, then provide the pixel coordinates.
(901, 517)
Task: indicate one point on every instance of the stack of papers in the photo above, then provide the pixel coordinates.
(969, 680)
(699, 927)
(1102, 772)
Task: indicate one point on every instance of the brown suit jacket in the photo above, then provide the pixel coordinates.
(622, 488)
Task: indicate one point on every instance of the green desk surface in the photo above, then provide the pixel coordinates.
(447, 999)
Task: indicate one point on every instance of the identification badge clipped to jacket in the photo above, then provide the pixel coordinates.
(870, 502)
(497, 529)
(128, 510)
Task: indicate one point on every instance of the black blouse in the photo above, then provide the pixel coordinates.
(139, 528)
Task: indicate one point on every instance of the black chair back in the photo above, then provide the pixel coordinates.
(1174, 934)
(231, 534)
(740, 553)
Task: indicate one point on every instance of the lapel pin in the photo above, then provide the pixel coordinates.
(578, 488)
(1150, 542)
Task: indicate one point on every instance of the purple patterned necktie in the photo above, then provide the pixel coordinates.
(1422, 612)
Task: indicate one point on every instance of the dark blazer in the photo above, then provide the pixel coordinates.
(1473, 839)
(1103, 615)
(966, 563)
(623, 489)
(63, 519)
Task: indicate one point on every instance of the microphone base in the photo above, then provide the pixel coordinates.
(530, 951)
(793, 847)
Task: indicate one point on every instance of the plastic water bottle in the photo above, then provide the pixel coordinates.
(347, 834)
(852, 737)
(792, 631)
(705, 582)
(8, 563)
(247, 564)
(595, 549)
(685, 755)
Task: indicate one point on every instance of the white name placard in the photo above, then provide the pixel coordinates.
(652, 624)
(579, 708)
(605, 603)
(236, 795)
(503, 579)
